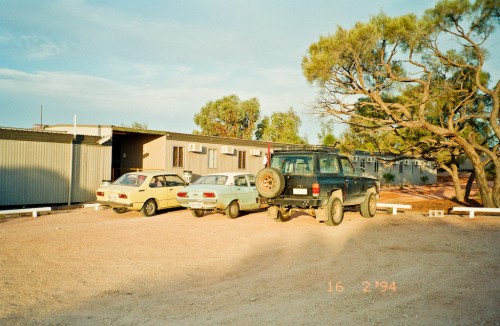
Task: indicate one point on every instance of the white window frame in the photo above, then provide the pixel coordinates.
(212, 158)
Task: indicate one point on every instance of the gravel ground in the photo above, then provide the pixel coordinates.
(88, 267)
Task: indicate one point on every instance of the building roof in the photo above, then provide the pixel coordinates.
(117, 130)
(46, 136)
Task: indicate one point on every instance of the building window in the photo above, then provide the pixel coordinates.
(376, 166)
(242, 156)
(363, 164)
(401, 168)
(178, 156)
(212, 158)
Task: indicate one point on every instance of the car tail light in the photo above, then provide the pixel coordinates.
(100, 193)
(122, 196)
(182, 194)
(209, 195)
(315, 189)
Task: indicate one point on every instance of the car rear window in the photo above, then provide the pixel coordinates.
(133, 180)
(174, 181)
(293, 164)
(328, 163)
(212, 180)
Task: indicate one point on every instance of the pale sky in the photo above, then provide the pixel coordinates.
(158, 62)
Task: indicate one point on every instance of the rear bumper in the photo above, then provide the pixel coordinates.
(114, 204)
(294, 202)
(206, 204)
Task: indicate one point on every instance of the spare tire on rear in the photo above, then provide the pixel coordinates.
(270, 183)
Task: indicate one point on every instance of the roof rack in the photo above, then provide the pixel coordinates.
(299, 148)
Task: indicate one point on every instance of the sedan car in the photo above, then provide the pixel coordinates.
(145, 191)
(228, 192)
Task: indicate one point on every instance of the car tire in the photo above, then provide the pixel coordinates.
(119, 210)
(233, 210)
(368, 207)
(197, 212)
(335, 211)
(270, 182)
(149, 208)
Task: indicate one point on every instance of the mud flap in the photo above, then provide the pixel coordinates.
(321, 214)
(272, 212)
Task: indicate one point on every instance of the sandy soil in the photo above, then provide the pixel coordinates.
(88, 267)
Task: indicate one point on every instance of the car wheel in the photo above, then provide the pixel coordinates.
(149, 208)
(335, 211)
(369, 206)
(270, 182)
(119, 210)
(233, 210)
(197, 212)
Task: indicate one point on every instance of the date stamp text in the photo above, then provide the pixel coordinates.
(365, 287)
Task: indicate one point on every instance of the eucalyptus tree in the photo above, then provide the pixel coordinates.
(229, 117)
(434, 66)
(282, 127)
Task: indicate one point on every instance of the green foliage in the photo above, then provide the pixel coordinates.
(229, 117)
(325, 135)
(482, 16)
(329, 140)
(282, 127)
(137, 125)
(261, 127)
(389, 177)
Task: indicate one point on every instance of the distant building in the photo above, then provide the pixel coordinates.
(63, 164)
(406, 171)
(135, 149)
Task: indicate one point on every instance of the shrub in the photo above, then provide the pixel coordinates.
(424, 179)
(389, 177)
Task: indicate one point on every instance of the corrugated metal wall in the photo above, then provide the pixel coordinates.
(92, 164)
(38, 172)
(33, 172)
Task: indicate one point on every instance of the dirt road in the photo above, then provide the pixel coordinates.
(90, 267)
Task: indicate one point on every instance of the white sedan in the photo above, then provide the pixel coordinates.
(145, 191)
(228, 192)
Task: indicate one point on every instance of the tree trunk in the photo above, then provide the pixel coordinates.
(453, 171)
(495, 190)
(484, 189)
(469, 185)
(459, 193)
(481, 181)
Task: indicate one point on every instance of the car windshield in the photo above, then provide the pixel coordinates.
(212, 180)
(293, 164)
(133, 180)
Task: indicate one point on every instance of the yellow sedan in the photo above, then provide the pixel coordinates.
(145, 191)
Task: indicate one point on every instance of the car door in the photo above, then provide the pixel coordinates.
(158, 191)
(246, 191)
(351, 181)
